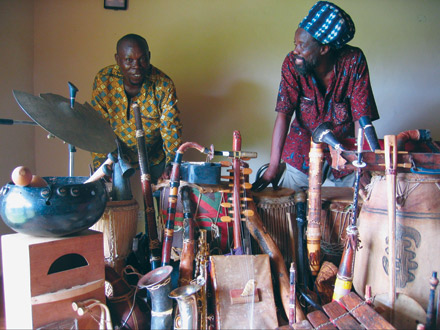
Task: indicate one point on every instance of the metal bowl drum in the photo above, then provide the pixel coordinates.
(66, 206)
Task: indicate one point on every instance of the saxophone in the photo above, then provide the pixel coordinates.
(201, 278)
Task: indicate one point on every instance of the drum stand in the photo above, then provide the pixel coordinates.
(72, 149)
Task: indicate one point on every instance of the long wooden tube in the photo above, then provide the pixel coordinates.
(316, 156)
(186, 267)
(172, 198)
(236, 146)
(390, 142)
(278, 266)
(144, 166)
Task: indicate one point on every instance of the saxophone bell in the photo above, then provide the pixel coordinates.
(186, 297)
(158, 284)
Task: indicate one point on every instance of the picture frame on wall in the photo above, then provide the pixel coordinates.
(115, 4)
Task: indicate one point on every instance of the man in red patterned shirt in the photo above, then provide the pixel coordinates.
(322, 80)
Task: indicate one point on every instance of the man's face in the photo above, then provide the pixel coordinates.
(134, 60)
(306, 52)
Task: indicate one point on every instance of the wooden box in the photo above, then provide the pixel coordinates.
(232, 273)
(43, 276)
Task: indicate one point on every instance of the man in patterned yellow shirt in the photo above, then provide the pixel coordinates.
(134, 79)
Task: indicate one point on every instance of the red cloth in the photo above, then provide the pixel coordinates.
(209, 211)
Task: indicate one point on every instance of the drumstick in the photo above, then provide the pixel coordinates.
(391, 172)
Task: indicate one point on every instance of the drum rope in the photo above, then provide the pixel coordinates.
(342, 218)
(369, 187)
(273, 212)
(404, 188)
(367, 301)
(403, 191)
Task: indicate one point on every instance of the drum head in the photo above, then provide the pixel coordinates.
(270, 195)
(337, 194)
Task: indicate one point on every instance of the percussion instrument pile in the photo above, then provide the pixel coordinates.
(389, 234)
(207, 230)
(217, 254)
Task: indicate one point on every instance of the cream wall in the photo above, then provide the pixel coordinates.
(16, 71)
(224, 56)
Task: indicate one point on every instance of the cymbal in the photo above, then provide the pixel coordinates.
(81, 126)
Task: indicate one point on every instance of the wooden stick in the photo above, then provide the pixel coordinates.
(391, 173)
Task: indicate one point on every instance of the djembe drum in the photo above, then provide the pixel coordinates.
(335, 217)
(118, 224)
(417, 242)
(273, 207)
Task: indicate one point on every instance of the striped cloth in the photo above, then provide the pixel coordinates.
(329, 24)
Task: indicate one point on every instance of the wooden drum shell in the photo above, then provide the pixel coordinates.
(417, 242)
(119, 226)
(337, 212)
(273, 206)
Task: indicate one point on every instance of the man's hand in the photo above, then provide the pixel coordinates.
(271, 175)
(166, 173)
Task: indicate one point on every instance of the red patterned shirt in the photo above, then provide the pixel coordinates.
(348, 98)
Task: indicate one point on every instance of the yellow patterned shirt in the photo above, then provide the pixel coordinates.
(160, 115)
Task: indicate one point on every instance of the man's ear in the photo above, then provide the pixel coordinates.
(117, 58)
(324, 49)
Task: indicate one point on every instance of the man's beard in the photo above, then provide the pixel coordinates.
(306, 68)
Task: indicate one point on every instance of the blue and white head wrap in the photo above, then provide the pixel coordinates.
(329, 24)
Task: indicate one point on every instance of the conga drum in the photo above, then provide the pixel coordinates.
(118, 225)
(417, 237)
(337, 212)
(273, 207)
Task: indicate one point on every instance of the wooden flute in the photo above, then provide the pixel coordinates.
(186, 267)
(316, 156)
(144, 166)
(173, 195)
